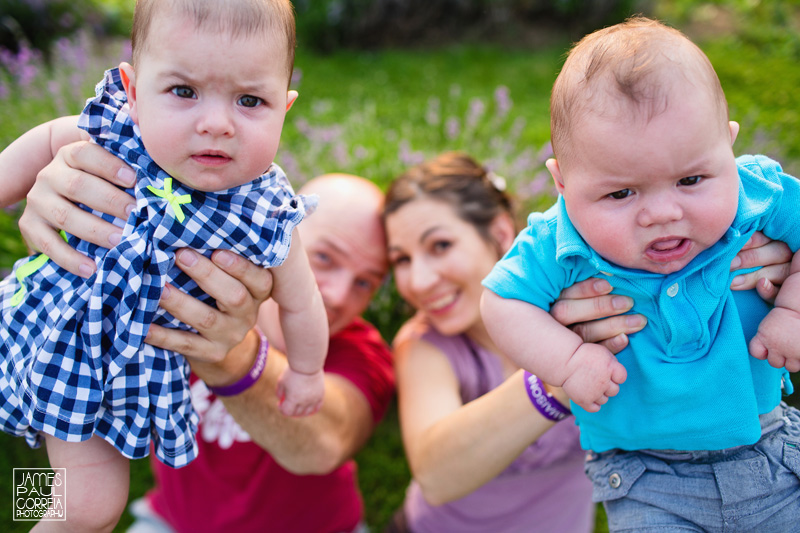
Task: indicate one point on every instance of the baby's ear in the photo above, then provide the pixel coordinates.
(128, 76)
(734, 127)
(555, 171)
(291, 96)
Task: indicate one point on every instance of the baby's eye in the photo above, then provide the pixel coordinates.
(621, 194)
(691, 180)
(182, 91)
(250, 101)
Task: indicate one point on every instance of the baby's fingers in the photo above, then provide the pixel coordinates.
(612, 390)
(596, 405)
(311, 409)
(288, 407)
(792, 365)
(757, 348)
(777, 361)
(618, 373)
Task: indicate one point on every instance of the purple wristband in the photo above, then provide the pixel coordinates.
(252, 375)
(545, 403)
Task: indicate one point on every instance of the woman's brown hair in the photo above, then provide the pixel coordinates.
(455, 179)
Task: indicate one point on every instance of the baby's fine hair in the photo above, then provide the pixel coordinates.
(458, 180)
(234, 17)
(631, 66)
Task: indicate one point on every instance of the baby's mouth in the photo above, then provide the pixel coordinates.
(671, 249)
(211, 158)
(663, 246)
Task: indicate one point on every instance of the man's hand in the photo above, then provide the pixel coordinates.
(85, 173)
(239, 288)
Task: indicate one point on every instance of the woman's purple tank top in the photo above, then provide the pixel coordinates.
(544, 489)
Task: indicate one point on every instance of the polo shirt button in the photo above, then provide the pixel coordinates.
(673, 290)
(614, 480)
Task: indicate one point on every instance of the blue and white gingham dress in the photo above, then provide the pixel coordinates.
(73, 361)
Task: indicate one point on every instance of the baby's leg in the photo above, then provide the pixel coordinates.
(97, 484)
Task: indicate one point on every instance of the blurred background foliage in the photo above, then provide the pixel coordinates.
(385, 84)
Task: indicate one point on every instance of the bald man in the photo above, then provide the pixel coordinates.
(257, 470)
(297, 474)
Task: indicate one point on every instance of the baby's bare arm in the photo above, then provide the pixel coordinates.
(775, 340)
(301, 312)
(22, 160)
(533, 339)
(529, 336)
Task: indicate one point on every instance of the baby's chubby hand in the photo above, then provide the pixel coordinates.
(300, 394)
(595, 376)
(776, 338)
(773, 343)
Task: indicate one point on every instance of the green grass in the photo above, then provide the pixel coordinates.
(374, 113)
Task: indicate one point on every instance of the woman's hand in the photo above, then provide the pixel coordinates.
(85, 173)
(774, 258)
(590, 311)
(239, 288)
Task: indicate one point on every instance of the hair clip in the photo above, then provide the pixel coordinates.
(499, 182)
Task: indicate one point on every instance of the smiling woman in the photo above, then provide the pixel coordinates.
(475, 443)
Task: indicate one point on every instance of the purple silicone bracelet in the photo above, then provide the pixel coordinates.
(545, 403)
(252, 375)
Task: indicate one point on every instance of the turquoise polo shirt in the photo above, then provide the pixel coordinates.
(692, 384)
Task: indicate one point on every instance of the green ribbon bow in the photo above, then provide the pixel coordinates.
(26, 270)
(174, 200)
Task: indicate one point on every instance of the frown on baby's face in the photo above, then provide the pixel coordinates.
(210, 106)
(651, 195)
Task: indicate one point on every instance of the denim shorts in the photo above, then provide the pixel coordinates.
(752, 488)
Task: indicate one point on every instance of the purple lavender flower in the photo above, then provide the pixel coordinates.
(26, 74)
(126, 53)
(63, 51)
(476, 110)
(341, 154)
(409, 157)
(302, 126)
(81, 50)
(452, 127)
(53, 88)
(517, 127)
(540, 184)
(289, 164)
(297, 77)
(545, 153)
(523, 163)
(76, 83)
(502, 97)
